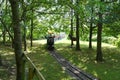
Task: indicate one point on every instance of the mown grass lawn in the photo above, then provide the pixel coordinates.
(47, 65)
(84, 59)
(51, 70)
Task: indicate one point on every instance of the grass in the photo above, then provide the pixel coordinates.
(47, 65)
(84, 59)
(7, 69)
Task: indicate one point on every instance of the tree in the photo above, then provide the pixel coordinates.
(31, 32)
(20, 66)
(77, 27)
(6, 21)
(112, 19)
(23, 17)
(71, 32)
(91, 29)
(99, 56)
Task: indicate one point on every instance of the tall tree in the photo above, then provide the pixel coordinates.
(77, 27)
(91, 29)
(17, 39)
(23, 17)
(71, 32)
(7, 30)
(31, 32)
(6, 21)
(24, 36)
(99, 56)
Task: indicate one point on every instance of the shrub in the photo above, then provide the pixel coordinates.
(117, 42)
(110, 40)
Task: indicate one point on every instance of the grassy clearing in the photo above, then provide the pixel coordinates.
(85, 59)
(51, 70)
(47, 65)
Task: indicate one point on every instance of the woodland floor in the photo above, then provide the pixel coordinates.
(7, 69)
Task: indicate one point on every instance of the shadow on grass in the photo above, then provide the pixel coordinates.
(85, 60)
(7, 69)
(47, 65)
(51, 70)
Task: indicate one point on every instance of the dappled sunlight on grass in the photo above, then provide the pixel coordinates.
(94, 72)
(47, 65)
(7, 70)
(85, 59)
(6, 52)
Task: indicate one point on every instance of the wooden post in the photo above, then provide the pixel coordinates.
(30, 74)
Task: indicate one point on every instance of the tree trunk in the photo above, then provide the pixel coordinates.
(91, 28)
(10, 35)
(31, 33)
(90, 37)
(4, 36)
(77, 33)
(77, 29)
(24, 26)
(71, 27)
(99, 56)
(24, 36)
(20, 66)
(31, 37)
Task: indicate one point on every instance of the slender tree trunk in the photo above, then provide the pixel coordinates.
(90, 36)
(17, 40)
(10, 35)
(77, 33)
(99, 56)
(71, 27)
(24, 26)
(4, 36)
(91, 28)
(77, 29)
(25, 45)
(31, 33)
(31, 37)
(4, 32)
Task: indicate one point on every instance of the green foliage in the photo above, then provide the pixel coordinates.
(112, 29)
(54, 14)
(117, 42)
(110, 40)
(112, 12)
(84, 33)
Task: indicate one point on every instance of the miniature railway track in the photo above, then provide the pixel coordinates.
(76, 73)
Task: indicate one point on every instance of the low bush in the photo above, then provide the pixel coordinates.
(110, 40)
(117, 42)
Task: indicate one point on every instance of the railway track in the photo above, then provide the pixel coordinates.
(72, 70)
